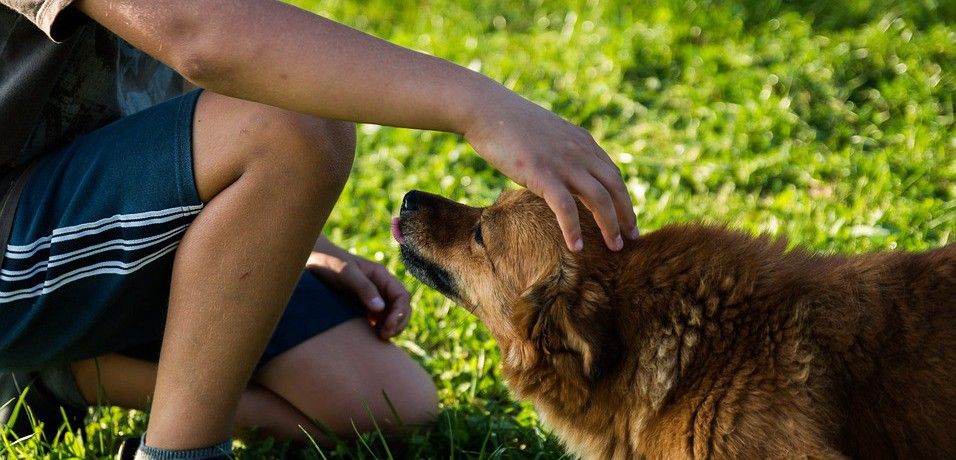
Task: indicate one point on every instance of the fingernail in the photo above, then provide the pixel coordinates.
(578, 245)
(635, 233)
(618, 243)
(378, 303)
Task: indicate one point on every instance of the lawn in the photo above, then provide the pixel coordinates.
(831, 123)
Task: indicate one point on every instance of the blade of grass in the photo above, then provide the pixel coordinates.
(484, 443)
(315, 445)
(363, 441)
(391, 407)
(24, 438)
(14, 414)
(451, 439)
(378, 430)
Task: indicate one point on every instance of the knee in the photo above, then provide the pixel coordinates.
(322, 148)
(308, 154)
(402, 398)
(414, 398)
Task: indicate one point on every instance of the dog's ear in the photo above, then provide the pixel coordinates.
(569, 324)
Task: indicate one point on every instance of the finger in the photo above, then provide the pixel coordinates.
(590, 144)
(404, 322)
(399, 301)
(387, 284)
(398, 313)
(398, 316)
(561, 202)
(327, 269)
(614, 183)
(610, 177)
(353, 277)
(602, 154)
(598, 200)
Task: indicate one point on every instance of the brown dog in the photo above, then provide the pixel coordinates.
(700, 342)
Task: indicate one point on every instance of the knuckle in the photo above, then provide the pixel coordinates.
(566, 203)
(339, 265)
(551, 193)
(600, 194)
(606, 200)
(613, 171)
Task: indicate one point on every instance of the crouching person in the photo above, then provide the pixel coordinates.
(164, 245)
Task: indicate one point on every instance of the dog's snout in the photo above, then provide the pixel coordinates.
(411, 200)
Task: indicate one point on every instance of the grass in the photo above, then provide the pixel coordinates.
(829, 122)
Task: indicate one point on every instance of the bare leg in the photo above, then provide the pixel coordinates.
(333, 377)
(269, 179)
(122, 381)
(338, 378)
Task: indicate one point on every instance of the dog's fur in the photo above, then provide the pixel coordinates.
(696, 341)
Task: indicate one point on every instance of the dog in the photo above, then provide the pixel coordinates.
(696, 341)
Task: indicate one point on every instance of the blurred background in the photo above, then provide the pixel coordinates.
(828, 122)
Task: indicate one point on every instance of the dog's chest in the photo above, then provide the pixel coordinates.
(595, 435)
(577, 440)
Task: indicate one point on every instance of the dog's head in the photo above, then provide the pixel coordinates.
(507, 263)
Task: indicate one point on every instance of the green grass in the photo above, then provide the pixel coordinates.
(829, 122)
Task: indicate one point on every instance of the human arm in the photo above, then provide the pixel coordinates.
(277, 54)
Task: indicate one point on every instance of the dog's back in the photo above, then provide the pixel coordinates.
(808, 354)
(902, 402)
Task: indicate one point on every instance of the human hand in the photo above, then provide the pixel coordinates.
(555, 160)
(386, 299)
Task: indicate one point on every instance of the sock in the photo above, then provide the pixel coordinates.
(219, 451)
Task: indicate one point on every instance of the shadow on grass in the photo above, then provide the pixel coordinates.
(493, 430)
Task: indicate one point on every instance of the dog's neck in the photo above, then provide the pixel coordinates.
(575, 406)
(568, 387)
(656, 301)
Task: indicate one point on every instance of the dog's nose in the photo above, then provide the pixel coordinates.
(411, 200)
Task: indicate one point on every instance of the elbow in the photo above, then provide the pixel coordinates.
(197, 66)
(183, 35)
(203, 67)
(201, 54)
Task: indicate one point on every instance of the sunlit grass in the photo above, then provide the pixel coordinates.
(831, 125)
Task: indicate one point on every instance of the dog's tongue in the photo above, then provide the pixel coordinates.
(397, 230)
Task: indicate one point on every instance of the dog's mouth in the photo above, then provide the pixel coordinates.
(428, 272)
(397, 230)
(425, 270)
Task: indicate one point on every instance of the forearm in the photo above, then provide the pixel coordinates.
(277, 54)
(270, 52)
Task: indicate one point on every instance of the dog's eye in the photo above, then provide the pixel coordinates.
(478, 236)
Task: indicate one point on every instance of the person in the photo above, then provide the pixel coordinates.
(157, 236)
